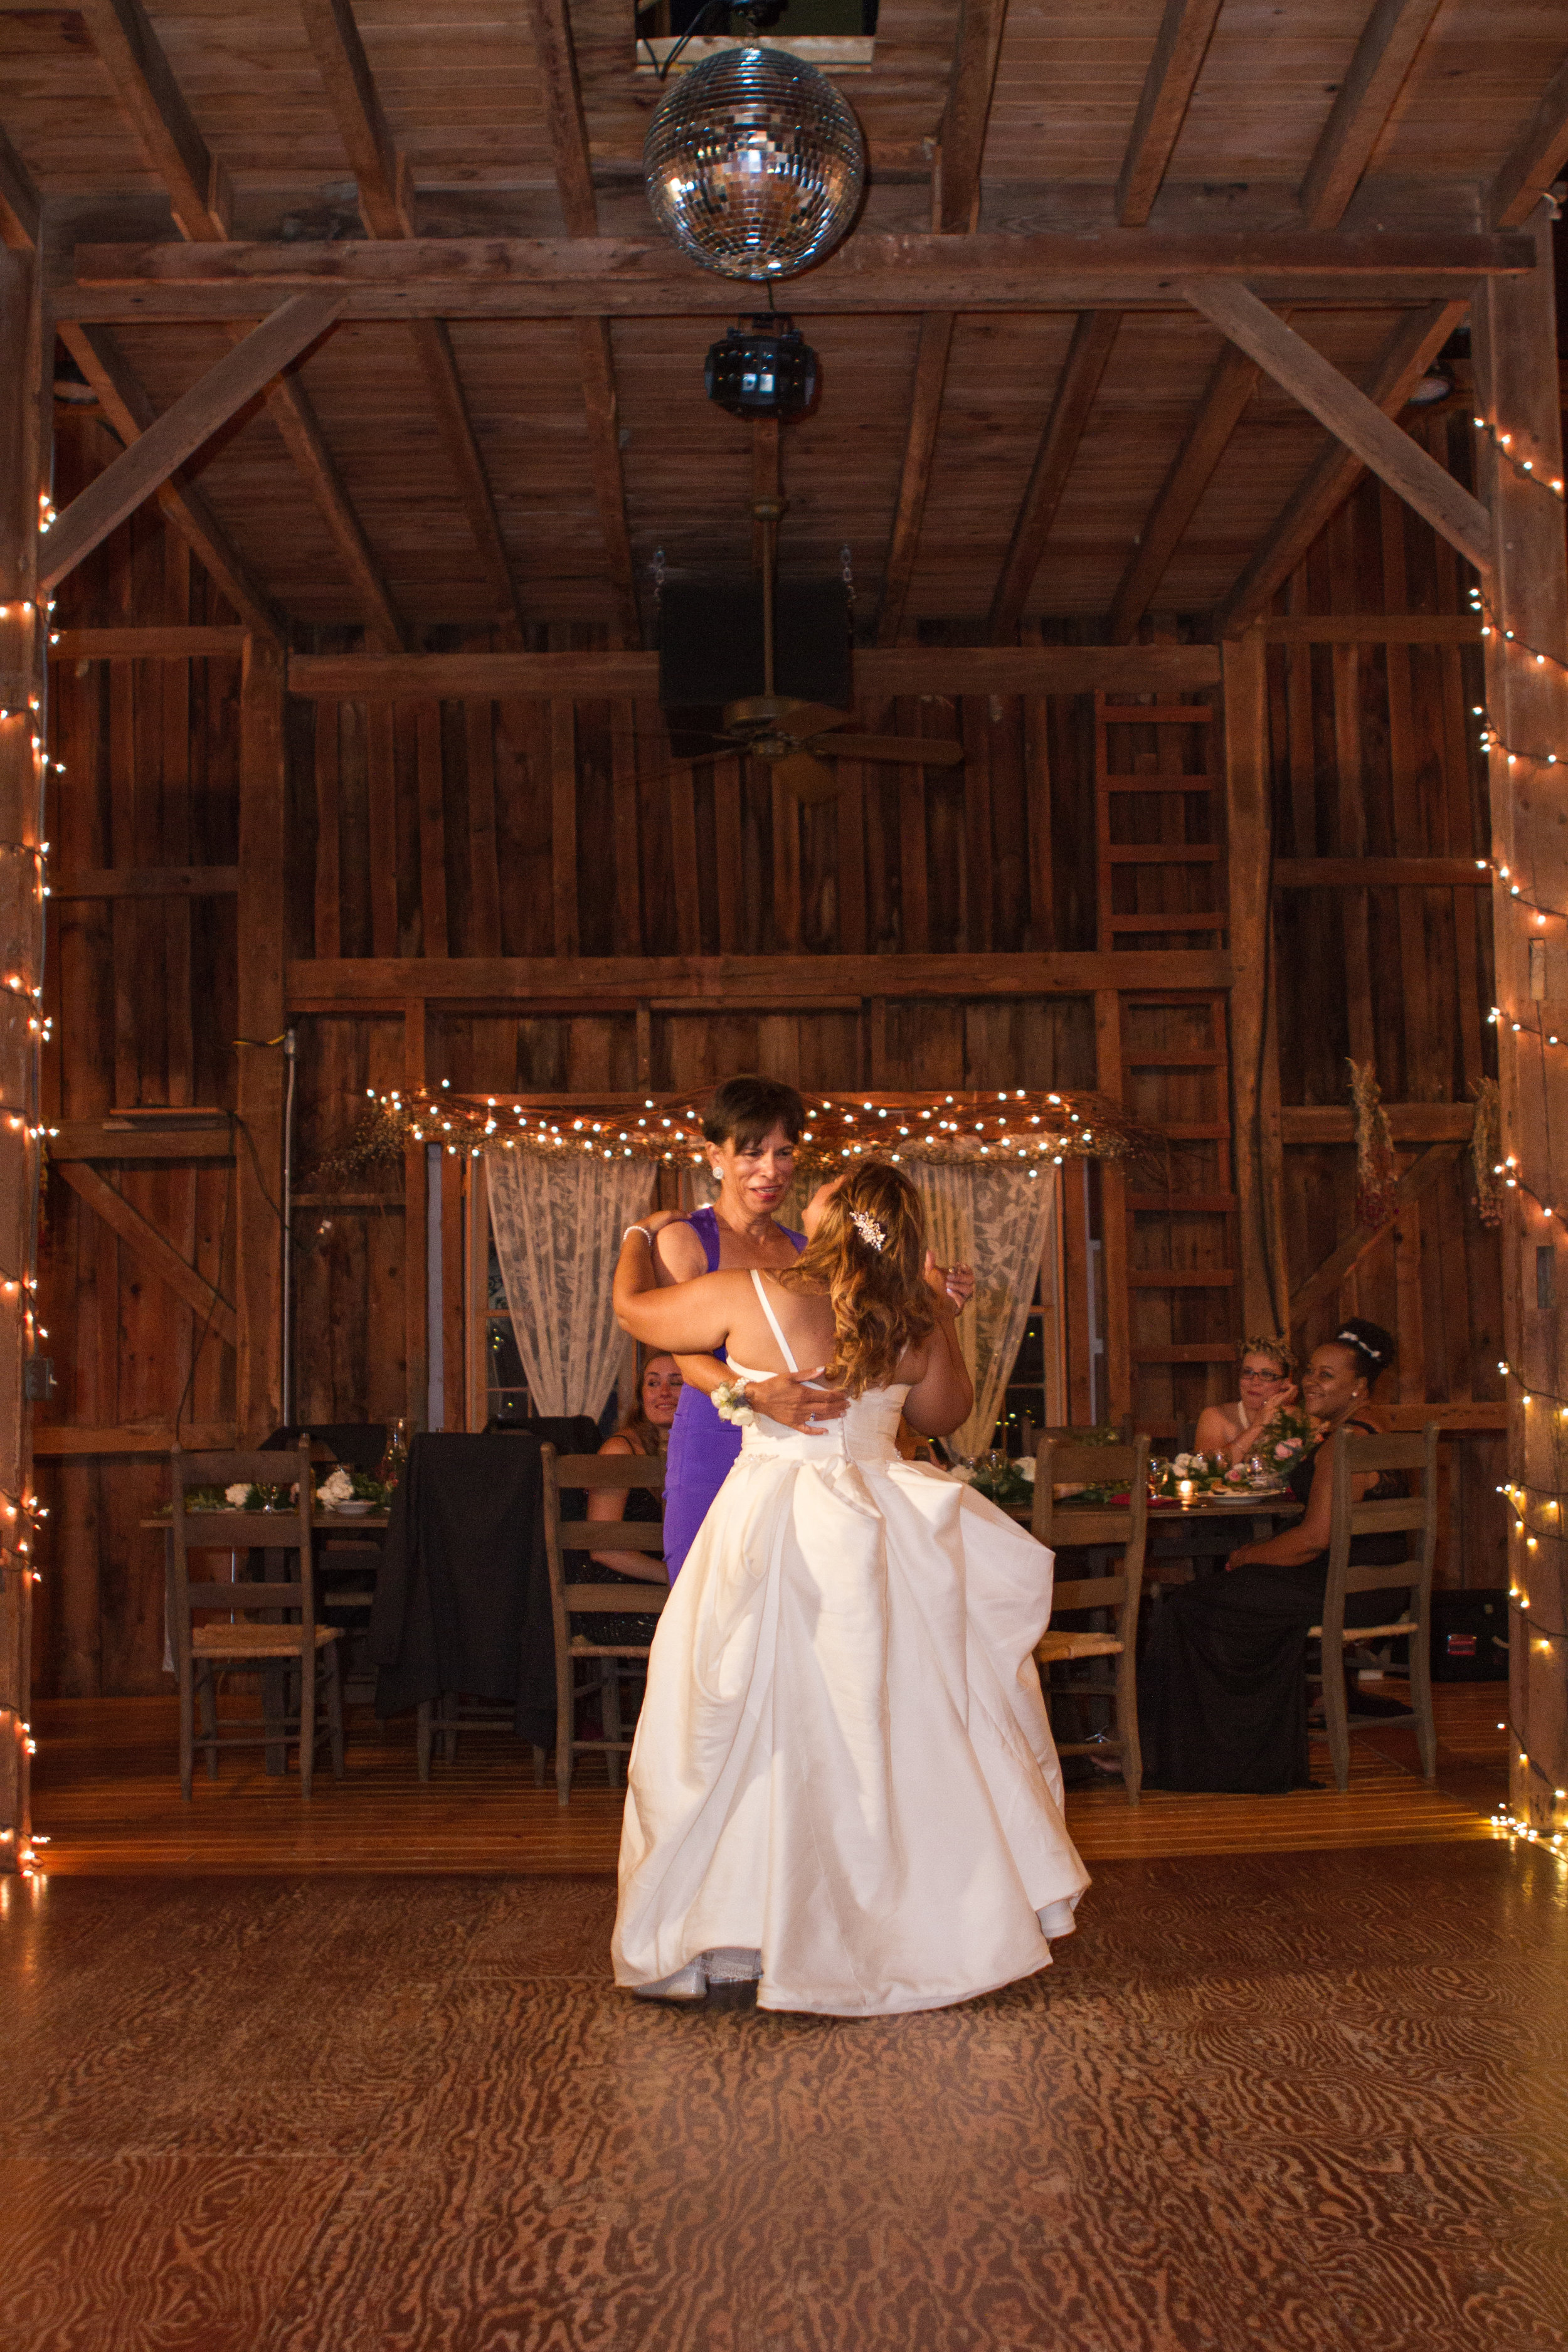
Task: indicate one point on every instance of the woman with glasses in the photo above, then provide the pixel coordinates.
(1234, 1430)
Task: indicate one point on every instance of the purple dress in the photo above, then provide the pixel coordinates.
(702, 1446)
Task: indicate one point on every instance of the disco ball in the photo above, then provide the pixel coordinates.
(754, 163)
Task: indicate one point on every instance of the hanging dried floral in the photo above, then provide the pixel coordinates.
(1486, 1151)
(1376, 1167)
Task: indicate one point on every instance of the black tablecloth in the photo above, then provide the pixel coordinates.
(462, 1602)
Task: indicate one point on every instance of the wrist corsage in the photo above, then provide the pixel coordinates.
(730, 1404)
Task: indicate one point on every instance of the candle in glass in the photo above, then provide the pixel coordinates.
(1184, 1489)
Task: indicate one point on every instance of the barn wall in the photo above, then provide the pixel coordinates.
(429, 829)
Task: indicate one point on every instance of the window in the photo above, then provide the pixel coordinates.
(506, 1384)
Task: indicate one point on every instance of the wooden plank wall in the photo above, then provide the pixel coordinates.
(528, 829)
(1373, 750)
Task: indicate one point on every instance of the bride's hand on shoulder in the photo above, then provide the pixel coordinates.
(958, 1281)
(659, 1218)
(937, 1281)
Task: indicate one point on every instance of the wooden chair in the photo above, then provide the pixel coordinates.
(259, 1633)
(619, 1472)
(1415, 1515)
(1066, 1525)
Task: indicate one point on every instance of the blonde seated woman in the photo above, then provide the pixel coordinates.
(1234, 1430)
(843, 1788)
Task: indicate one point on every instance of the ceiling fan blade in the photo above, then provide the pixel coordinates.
(804, 775)
(909, 750)
(813, 718)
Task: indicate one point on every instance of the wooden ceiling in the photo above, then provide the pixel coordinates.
(1022, 418)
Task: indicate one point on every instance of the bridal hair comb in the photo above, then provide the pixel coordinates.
(1355, 1339)
(867, 1228)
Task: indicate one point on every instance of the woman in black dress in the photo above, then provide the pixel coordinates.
(1222, 1701)
(645, 1430)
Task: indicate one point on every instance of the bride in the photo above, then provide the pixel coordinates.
(843, 1785)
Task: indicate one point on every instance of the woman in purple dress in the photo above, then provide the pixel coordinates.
(751, 1127)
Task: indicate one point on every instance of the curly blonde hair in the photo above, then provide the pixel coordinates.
(1274, 1351)
(882, 1305)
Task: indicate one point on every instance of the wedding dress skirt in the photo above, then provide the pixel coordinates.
(843, 1782)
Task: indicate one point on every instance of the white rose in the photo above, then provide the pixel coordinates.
(236, 1496)
(338, 1488)
(1027, 1465)
(1183, 1462)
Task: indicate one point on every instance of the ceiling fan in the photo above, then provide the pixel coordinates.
(795, 739)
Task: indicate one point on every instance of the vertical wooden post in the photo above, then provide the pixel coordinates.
(259, 1164)
(23, 639)
(1118, 1366)
(1254, 1077)
(1514, 340)
(415, 1229)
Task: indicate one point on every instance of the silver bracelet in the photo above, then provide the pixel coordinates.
(639, 1228)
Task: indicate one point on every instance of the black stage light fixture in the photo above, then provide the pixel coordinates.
(767, 368)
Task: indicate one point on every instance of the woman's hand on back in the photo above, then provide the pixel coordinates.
(785, 1397)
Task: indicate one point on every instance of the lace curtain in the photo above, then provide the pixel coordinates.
(558, 1227)
(999, 1225)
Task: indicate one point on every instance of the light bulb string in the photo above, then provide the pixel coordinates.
(1525, 467)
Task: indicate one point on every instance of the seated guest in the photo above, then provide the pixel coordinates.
(1222, 1701)
(645, 1430)
(1234, 1430)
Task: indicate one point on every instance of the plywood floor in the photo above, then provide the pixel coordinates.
(1278, 2102)
(107, 1799)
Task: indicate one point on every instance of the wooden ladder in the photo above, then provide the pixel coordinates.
(1169, 1257)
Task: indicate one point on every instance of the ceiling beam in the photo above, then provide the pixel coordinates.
(181, 431)
(611, 277)
(21, 212)
(914, 477)
(1178, 52)
(955, 212)
(616, 675)
(152, 102)
(1367, 96)
(1225, 396)
(568, 131)
(1088, 355)
(967, 114)
(1535, 159)
(1350, 416)
(130, 412)
(386, 202)
(1414, 344)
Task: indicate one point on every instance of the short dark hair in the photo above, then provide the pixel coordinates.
(750, 1108)
(1372, 1347)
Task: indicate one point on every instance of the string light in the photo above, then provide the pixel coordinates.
(1525, 467)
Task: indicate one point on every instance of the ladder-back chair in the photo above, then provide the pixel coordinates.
(1069, 1525)
(270, 1626)
(619, 1474)
(1414, 1516)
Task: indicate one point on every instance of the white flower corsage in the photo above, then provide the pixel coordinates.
(730, 1404)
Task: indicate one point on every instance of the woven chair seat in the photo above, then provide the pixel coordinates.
(256, 1641)
(1051, 1649)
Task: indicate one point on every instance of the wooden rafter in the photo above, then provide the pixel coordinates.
(568, 131)
(182, 430)
(956, 213)
(1419, 336)
(1337, 1268)
(20, 210)
(1535, 159)
(1178, 52)
(146, 1243)
(1353, 418)
(1367, 96)
(386, 202)
(152, 102)
(1085, 365)
(1225, 396)
(125, 405)
(566, 278)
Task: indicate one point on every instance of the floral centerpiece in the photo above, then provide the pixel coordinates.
(1010, 1484)
(1205, 1474)
(1292, 1433)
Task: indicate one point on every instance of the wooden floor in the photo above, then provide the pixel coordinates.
(1260, 2103)
(107, 1798)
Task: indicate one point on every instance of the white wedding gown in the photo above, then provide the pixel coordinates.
(843, 1782)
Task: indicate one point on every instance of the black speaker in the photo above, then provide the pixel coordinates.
(710, 642)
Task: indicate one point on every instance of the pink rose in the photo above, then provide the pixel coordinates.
(1283, 1450)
